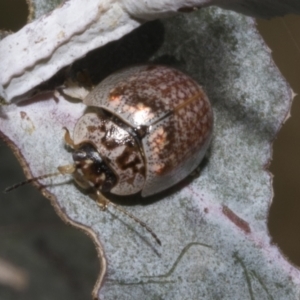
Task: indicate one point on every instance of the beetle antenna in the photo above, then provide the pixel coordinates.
(62, 170)
(137, 221)
(103, 202)
(17, 185)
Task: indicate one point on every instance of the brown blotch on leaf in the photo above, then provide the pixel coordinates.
(239, 222)
(23, 114)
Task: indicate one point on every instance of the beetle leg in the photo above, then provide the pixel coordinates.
(101, 201)
(68, 139)
(104, 202)
(196, 173)
(67, 169)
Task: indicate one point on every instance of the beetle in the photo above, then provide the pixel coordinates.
(149, 128)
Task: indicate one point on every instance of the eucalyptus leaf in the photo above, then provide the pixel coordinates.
(213, 227)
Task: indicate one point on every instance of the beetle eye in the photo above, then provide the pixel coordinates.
(86, 151)
(79, 155)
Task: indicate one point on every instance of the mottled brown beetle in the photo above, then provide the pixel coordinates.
(151, 128)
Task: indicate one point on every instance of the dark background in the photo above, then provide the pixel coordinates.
(283, 37)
